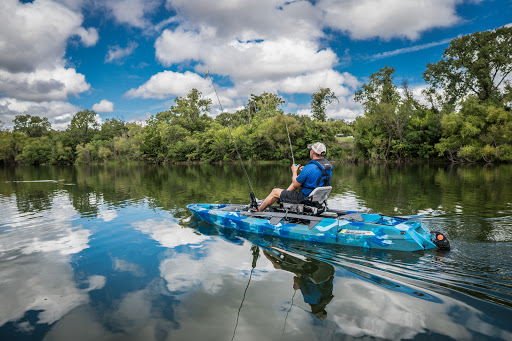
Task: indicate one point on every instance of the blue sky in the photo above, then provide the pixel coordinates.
(129, 59)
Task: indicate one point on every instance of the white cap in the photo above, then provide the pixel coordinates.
(318, 148)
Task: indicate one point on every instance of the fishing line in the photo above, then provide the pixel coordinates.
(240, 308)
(254, 202)
(255, 255)
(291, 305)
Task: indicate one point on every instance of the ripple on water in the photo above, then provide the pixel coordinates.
(482, 271)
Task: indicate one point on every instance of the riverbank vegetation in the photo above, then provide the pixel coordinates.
(464, 115)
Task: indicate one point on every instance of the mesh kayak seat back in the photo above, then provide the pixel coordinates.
(314, 203)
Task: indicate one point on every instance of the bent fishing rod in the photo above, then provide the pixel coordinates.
(254, 202)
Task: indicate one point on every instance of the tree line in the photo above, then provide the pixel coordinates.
(465, 116)
(184, 133)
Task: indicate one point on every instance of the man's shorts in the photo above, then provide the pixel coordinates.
(291, 197)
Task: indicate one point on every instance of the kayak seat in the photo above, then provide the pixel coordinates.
(314, 203)
(319, 195)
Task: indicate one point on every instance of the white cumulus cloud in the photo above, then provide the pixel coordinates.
(43, 84)
(103, 106)
(132, 12)
(280, 46)
(269, 59)
(342, 84)
(269, 45)
(33, 76)
(40, 28)
(168, 83)
(88, 36)
(252, 20)
(364, 19)
(179, 45)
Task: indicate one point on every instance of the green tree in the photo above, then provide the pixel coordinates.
(271, 137)
(476, 63)
(127, 147)
(111, 128)
(264, 106)
(395, 125)
(216, 144)
(37, 151)
(423, 131)
(380, 99)
(464, 132)
(408, 107)
(33, 126)
(85, 153)
(83, 126)
(370, 138)
(189, 112)
(61, 155)
(11, 145)
(104, 153)
(319, 101)
(310, 131)
(151, 140)
(497, 139)
(234, 119)
(507, 97)
(172, 136)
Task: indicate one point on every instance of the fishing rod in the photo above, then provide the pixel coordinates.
(254, 201)
(255, 255)
(289, 140)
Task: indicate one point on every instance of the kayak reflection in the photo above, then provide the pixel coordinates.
(347, 261)
(313, 277)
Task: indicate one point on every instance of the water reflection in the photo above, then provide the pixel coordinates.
(314, 278)
(436, 190)
(369, 294)
(111, 253)
(35, 256)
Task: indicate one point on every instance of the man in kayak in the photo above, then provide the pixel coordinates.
(315, 173)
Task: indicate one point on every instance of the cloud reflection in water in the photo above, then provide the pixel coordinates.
(34, 263)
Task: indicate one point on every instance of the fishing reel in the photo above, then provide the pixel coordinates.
(254, 201)
(440, 240)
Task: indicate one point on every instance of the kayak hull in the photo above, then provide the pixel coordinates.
(373, 231)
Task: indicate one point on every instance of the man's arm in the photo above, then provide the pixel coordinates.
(295, 184)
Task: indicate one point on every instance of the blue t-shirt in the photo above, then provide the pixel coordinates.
(309, 176)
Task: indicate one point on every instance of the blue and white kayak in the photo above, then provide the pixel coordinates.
(367, 230)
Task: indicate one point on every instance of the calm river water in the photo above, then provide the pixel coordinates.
(112, 253)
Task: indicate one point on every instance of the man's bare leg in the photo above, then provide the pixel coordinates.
(272, 197)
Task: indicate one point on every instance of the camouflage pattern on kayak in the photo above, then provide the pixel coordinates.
(367, 230)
